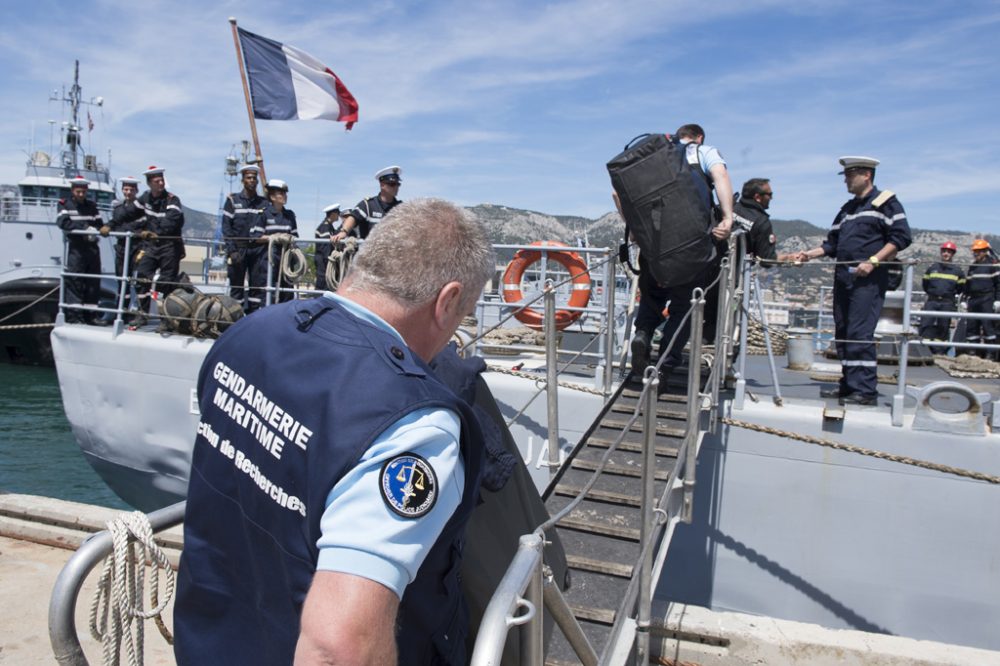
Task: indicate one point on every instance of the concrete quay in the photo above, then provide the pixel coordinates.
(38, 535)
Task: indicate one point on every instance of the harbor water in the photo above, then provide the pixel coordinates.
(38, 455)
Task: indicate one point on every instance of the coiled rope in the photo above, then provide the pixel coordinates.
(293, 260)
(118, 601)
(340, 262)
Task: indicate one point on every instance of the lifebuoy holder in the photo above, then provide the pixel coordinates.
(580, 284)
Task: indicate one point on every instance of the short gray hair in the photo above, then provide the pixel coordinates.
(419, 247)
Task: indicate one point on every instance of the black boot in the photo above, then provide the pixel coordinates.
(640, 354)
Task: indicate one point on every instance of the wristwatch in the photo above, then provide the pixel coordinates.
(873, 260)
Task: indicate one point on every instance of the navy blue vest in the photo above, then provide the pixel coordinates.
(253, 518)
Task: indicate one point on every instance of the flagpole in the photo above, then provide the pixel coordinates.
(246, 95)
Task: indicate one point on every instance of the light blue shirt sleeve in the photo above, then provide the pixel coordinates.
(708, 157)
(361, 535)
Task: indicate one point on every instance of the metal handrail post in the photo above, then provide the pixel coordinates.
(551, 374)
(62, 606)
(720, 326)
(610, 281)
(60, 315)
(533, 635)
(741, 380)
(693, 406)
(767, 342)
(898, 400)
(123, 285)
(648, 479)
(555, 604)
(498, 617)
(270, 274)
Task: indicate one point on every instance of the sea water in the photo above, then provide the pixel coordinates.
(38, 455)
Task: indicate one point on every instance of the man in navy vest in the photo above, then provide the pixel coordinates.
(333, 474)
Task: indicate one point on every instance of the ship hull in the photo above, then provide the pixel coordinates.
(28, 309)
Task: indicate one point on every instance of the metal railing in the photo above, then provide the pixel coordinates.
(66, 592)
(906, 336)
(516, 601)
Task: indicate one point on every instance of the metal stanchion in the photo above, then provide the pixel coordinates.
(648, 479)
(609, 350)
(551, 374)
(898, 400)
(693, 407)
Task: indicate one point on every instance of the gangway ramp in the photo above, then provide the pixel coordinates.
(601, 535)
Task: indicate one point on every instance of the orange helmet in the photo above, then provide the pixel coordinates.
(948, 245)
(980, 244)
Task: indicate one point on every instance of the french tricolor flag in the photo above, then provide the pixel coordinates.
(289, 84)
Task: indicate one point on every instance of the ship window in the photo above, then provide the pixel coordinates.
(103, 197)
(31, 191)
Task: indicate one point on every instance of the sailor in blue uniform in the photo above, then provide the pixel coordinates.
(983, 293)
(126, 215)
(241, 211)
(163, 246)
(275, 230)
(870, 229)
(319, 526)
(83, 255)
(329, 226)
(943, 282)
(363, 217)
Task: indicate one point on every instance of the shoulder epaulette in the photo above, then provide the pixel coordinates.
(883, 196)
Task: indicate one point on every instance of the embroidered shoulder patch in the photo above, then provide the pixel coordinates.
(408, 485)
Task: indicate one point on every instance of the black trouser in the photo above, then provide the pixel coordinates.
(981, 330)
(321, 258)
(82, 257)
(162, 255)
(236, 271)
(258, 276)
(857, 303)
(937, 328)
(256, 266)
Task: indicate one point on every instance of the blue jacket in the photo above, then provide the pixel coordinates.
(253, 518)
(863, 227)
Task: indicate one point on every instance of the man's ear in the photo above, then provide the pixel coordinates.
(449, 301)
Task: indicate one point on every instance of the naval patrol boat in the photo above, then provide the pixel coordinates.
(30, 242)
(729, 490)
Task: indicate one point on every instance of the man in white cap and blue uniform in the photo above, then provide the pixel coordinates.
(868, 231)
(79, 213)
(163, 247)
(370, 212)
(329, 226)
(241, 212)
(126, 215)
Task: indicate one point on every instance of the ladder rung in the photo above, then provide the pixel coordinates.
(617, 470)
(599, 566)
(591, 527)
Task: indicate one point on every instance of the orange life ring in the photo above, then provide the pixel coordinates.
(571, 261)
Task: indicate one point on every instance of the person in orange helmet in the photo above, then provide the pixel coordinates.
(943, 283)
(983, 292)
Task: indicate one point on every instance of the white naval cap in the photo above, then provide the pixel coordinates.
(249, 168)
(79, 181)
(275, 184)
(331, 208)
(129, 180)
(153, 171)
(858, 161)
(390, 173)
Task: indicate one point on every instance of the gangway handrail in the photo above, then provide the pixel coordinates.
(66, 592)
(658, 518)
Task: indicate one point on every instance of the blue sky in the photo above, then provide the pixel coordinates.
(523, 103)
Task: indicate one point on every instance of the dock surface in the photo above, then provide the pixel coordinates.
(36, 539)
